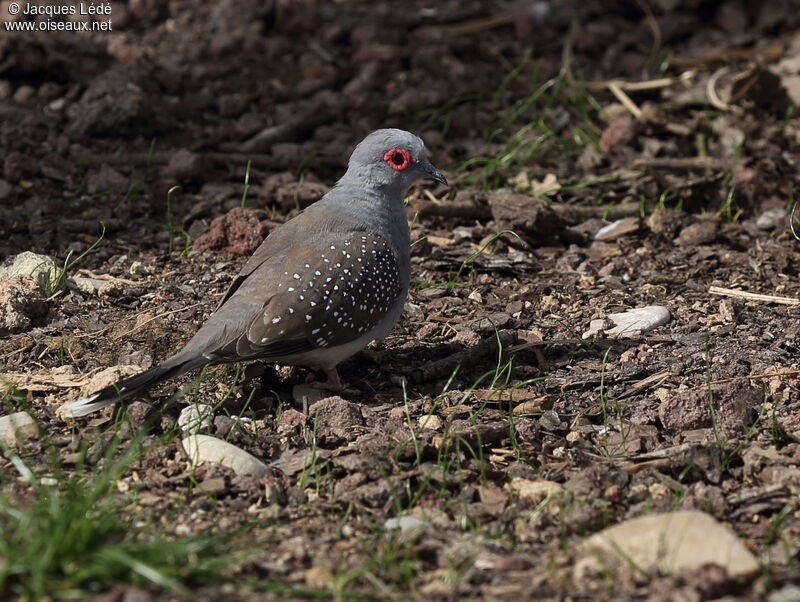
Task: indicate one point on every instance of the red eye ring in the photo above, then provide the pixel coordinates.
(397, 158)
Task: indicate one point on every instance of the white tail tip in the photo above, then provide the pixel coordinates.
(83, 406)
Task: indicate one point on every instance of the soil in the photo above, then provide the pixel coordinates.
(97, 128)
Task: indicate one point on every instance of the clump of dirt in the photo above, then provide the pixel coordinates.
(238, 232)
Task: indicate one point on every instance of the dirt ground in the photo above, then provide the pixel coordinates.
(487, 385)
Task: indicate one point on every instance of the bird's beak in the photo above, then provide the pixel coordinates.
(433, 173)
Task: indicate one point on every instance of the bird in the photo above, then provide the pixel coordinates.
(320, 287)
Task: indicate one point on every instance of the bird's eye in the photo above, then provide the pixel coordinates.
(397, 158)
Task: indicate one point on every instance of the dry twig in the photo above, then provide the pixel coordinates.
(731, 292)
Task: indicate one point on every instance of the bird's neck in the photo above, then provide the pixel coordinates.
(379, 208)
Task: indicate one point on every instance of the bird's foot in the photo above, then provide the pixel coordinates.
(332, 382)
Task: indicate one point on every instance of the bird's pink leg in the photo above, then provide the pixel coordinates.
(332, 382)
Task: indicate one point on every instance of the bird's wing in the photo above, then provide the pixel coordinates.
(273, 246)
(328, 294)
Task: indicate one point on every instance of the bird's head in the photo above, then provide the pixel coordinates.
(391, 159)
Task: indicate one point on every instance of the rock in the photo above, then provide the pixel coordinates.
(335, 420)
(666, 222)
(107, 180)
(195, 418)
(629, 324)
(17, 427)
(618, 134)
(203, 448)
(734, 404)
(123, 101)
(24, 94)
(403, 523)
(291, 417)
(534, 491)
(18, 166)
(673, 543)
(238, 232)
(492, 496)
(614, 230)
(184, 166)
(20, 304)
(39, 268)
(788, 593)
(111, 289)
(291, 462)
(213, 486)
(108, 376)
(772, 219)
(431, 422)
(85, 286)
(222, 426)
(700, 233)
(137, 268)
(534, 219)
(138, 412)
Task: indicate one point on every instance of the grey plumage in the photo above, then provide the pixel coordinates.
(321, 286)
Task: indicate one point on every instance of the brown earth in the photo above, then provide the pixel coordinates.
(518, 104)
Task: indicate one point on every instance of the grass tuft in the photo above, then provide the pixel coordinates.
(64, 537)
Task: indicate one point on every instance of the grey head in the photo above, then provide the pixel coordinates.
(389, 161)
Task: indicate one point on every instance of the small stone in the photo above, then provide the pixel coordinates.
(335, 419)
(788, 593)
(292, 417)
(673, 542)
(107, 180)
(203, 448)
(476, 297)
(431, 422)
(137, 268)
(534, 491)
(21, 303)
(40, 268)
(213, 486)
(700, 233)
(772, 219)
(111, 289)
(17, 427)
(733, 403)
(85, 286)
(23, 94)
(614, 230)
(138, 411)
(666, 222)
(184, 166)
(618, 133)
(629, 324)
(108, 376)
(196, 418)
(403, 523)
(492, 496)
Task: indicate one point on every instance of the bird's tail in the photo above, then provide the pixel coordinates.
(129, 387)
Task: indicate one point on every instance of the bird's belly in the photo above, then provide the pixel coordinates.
(329, 357)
